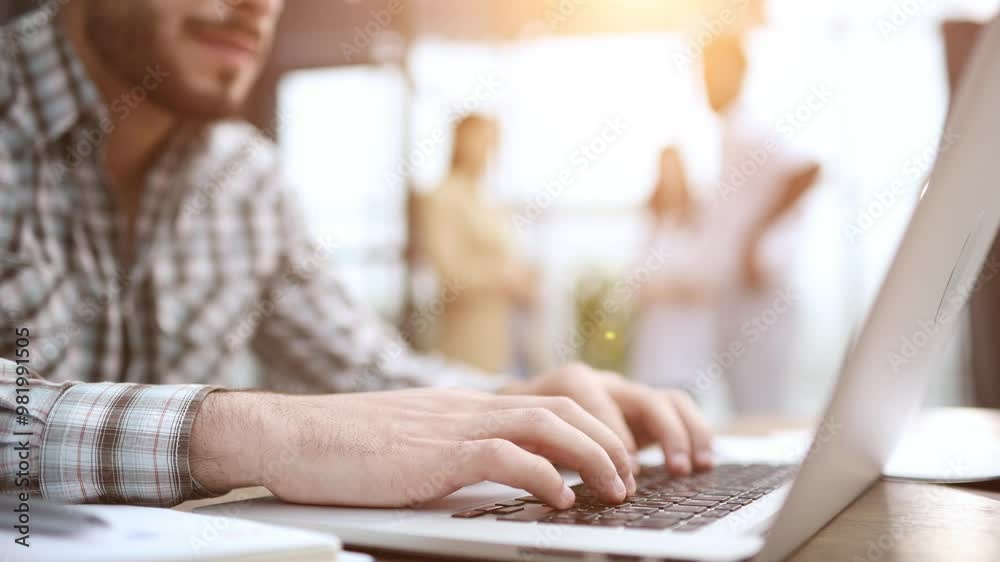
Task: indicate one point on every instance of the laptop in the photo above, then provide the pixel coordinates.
(750, 511)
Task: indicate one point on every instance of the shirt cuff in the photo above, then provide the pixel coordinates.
(121, 443)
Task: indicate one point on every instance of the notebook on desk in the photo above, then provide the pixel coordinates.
(144, 534)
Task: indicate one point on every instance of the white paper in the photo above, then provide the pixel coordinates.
(152, 535)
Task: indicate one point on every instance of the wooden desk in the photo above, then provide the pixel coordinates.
(891, 522)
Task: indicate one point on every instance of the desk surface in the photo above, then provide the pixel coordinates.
(891, 522)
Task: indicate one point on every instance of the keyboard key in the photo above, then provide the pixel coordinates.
(530, 499)
(510, 503)
(724, 492)
(698, 503)
(650, 502)
(530, 512)
(671, 499)
(684, 509)
(506, 510)
(637, 510)
(621, 516)
(469, 514)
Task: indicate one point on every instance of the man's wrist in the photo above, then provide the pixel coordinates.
(229, 434)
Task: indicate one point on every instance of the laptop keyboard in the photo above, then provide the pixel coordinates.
(661, 501)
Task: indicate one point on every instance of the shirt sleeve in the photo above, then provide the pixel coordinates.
(99, 442)
(317, 337)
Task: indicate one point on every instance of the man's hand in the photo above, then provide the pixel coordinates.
(638, 415)
(408, 447)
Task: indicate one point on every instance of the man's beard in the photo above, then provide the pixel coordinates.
(123, 36)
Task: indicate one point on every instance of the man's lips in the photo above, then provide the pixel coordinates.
(231, 41)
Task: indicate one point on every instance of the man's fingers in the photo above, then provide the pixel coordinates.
(575, 414)
(660, 419)
(605, 409)
(503, 462)
(549, 435)
(698, 429)
(602, 406)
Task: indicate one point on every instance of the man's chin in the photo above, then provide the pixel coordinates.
(199, 104)
(209, 108)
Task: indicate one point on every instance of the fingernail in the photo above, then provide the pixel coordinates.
(620, 487)
(680, 462)
(632, 486)
(567, 498)
(704, 458)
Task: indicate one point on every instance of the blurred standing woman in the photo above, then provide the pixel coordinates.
(756, 225)
(675, 331)
(467, 242)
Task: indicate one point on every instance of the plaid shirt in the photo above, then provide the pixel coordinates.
(221, 267)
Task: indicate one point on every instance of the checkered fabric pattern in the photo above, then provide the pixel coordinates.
(127, 341)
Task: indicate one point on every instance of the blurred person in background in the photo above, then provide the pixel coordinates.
(675, 322)
(468, 243)
(142, 249)
(755, 226)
